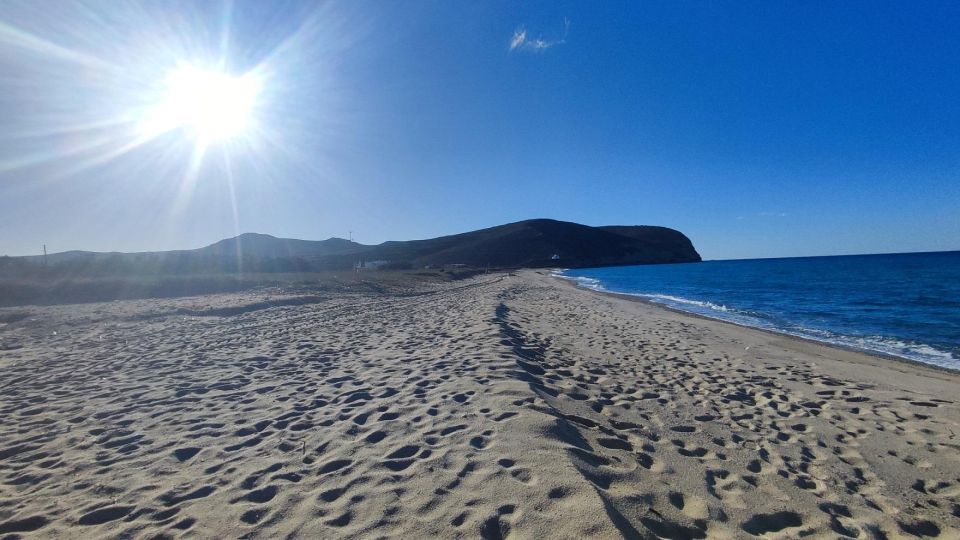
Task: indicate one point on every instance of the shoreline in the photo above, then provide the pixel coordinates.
(847, 348)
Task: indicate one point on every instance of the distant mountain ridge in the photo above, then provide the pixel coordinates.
(264, 245)
(531, 243)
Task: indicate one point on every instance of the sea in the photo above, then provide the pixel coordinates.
(905, 305)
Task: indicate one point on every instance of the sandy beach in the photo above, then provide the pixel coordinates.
(504, 405)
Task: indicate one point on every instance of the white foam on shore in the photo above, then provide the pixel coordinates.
(920, 352)
(677, 299)
(917, 352)
(585, 282)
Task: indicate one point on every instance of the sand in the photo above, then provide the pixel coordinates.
(503, 405)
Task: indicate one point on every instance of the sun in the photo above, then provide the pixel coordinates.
(209, 105)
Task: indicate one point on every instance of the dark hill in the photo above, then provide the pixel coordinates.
(264, 245)
(665, 243)
(531, 243)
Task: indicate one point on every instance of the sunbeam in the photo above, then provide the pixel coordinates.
(210, 105)
(182, 78)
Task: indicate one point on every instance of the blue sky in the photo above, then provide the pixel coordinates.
(758, 129)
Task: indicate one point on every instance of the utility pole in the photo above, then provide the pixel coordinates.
(44, 254)
(351, 236)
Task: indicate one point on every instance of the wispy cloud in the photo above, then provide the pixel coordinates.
(522, 41)
(773, 214)
(519, 38)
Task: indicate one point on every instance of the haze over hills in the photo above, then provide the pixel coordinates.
(265, 245)
(530, 243)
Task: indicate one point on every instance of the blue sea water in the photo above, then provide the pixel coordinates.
(905, 305)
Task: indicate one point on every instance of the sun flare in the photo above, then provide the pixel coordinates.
(210, 105)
